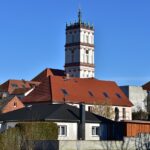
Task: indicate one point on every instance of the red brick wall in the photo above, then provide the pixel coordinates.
(12, 105)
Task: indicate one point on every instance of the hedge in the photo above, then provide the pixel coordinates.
(18, 137)
(39, 130)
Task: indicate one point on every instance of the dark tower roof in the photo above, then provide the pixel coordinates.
(79, 24)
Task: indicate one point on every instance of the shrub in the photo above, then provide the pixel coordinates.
(39, 130)
(24, 133)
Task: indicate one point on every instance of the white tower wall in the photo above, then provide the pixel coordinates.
(79, 50)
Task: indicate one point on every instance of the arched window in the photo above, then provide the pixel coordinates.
(116, 114)
(87, 56)
(124, 113)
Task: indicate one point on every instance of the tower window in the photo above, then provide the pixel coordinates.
(83, 57)
(83, 75)
(72, 55)
(72, 38)
(87, 56)
(83, 38)
(87, 39)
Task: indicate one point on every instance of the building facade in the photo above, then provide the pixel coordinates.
(79, 49)
(137, 95)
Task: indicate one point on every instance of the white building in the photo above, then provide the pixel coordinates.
(137, 95)
(79, 49)
(73, 123)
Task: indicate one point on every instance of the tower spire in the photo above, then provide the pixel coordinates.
(79, 16)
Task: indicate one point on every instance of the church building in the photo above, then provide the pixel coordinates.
(77, 83)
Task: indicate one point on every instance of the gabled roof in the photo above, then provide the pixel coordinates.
(58, 89)
(42, 93)
(51, 112)
(48, 72)
(10, 85)
(146, 86)
(4, 102)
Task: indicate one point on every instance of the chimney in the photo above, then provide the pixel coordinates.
(68, 76)
(82, 122)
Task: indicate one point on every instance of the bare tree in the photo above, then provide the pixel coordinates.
(139, 114)
(105, 109)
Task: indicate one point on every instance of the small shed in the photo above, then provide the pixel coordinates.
(127, 128)
(135, 127)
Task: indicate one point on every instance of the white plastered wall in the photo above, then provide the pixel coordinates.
(71, 131)
(80, 52)
(138, 97)
(88, 131)
(128, 111)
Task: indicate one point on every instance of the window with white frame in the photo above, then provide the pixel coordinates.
(95, 130)
(62, 130)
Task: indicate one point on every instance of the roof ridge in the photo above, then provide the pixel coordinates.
(60, 105)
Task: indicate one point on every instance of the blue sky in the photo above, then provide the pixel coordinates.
(32, 37)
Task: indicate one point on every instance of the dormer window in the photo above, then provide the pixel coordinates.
(14, 85)
(118, 95)
(64, 92)
(106, 95)
(90, 93)
(23, 86)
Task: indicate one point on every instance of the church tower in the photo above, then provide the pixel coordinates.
(79, 49)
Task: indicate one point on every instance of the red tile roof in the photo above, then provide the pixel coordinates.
(20, 91)
(75, 90)
(10, 85)
(42, 93)
(146, 86)
(48, 72)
